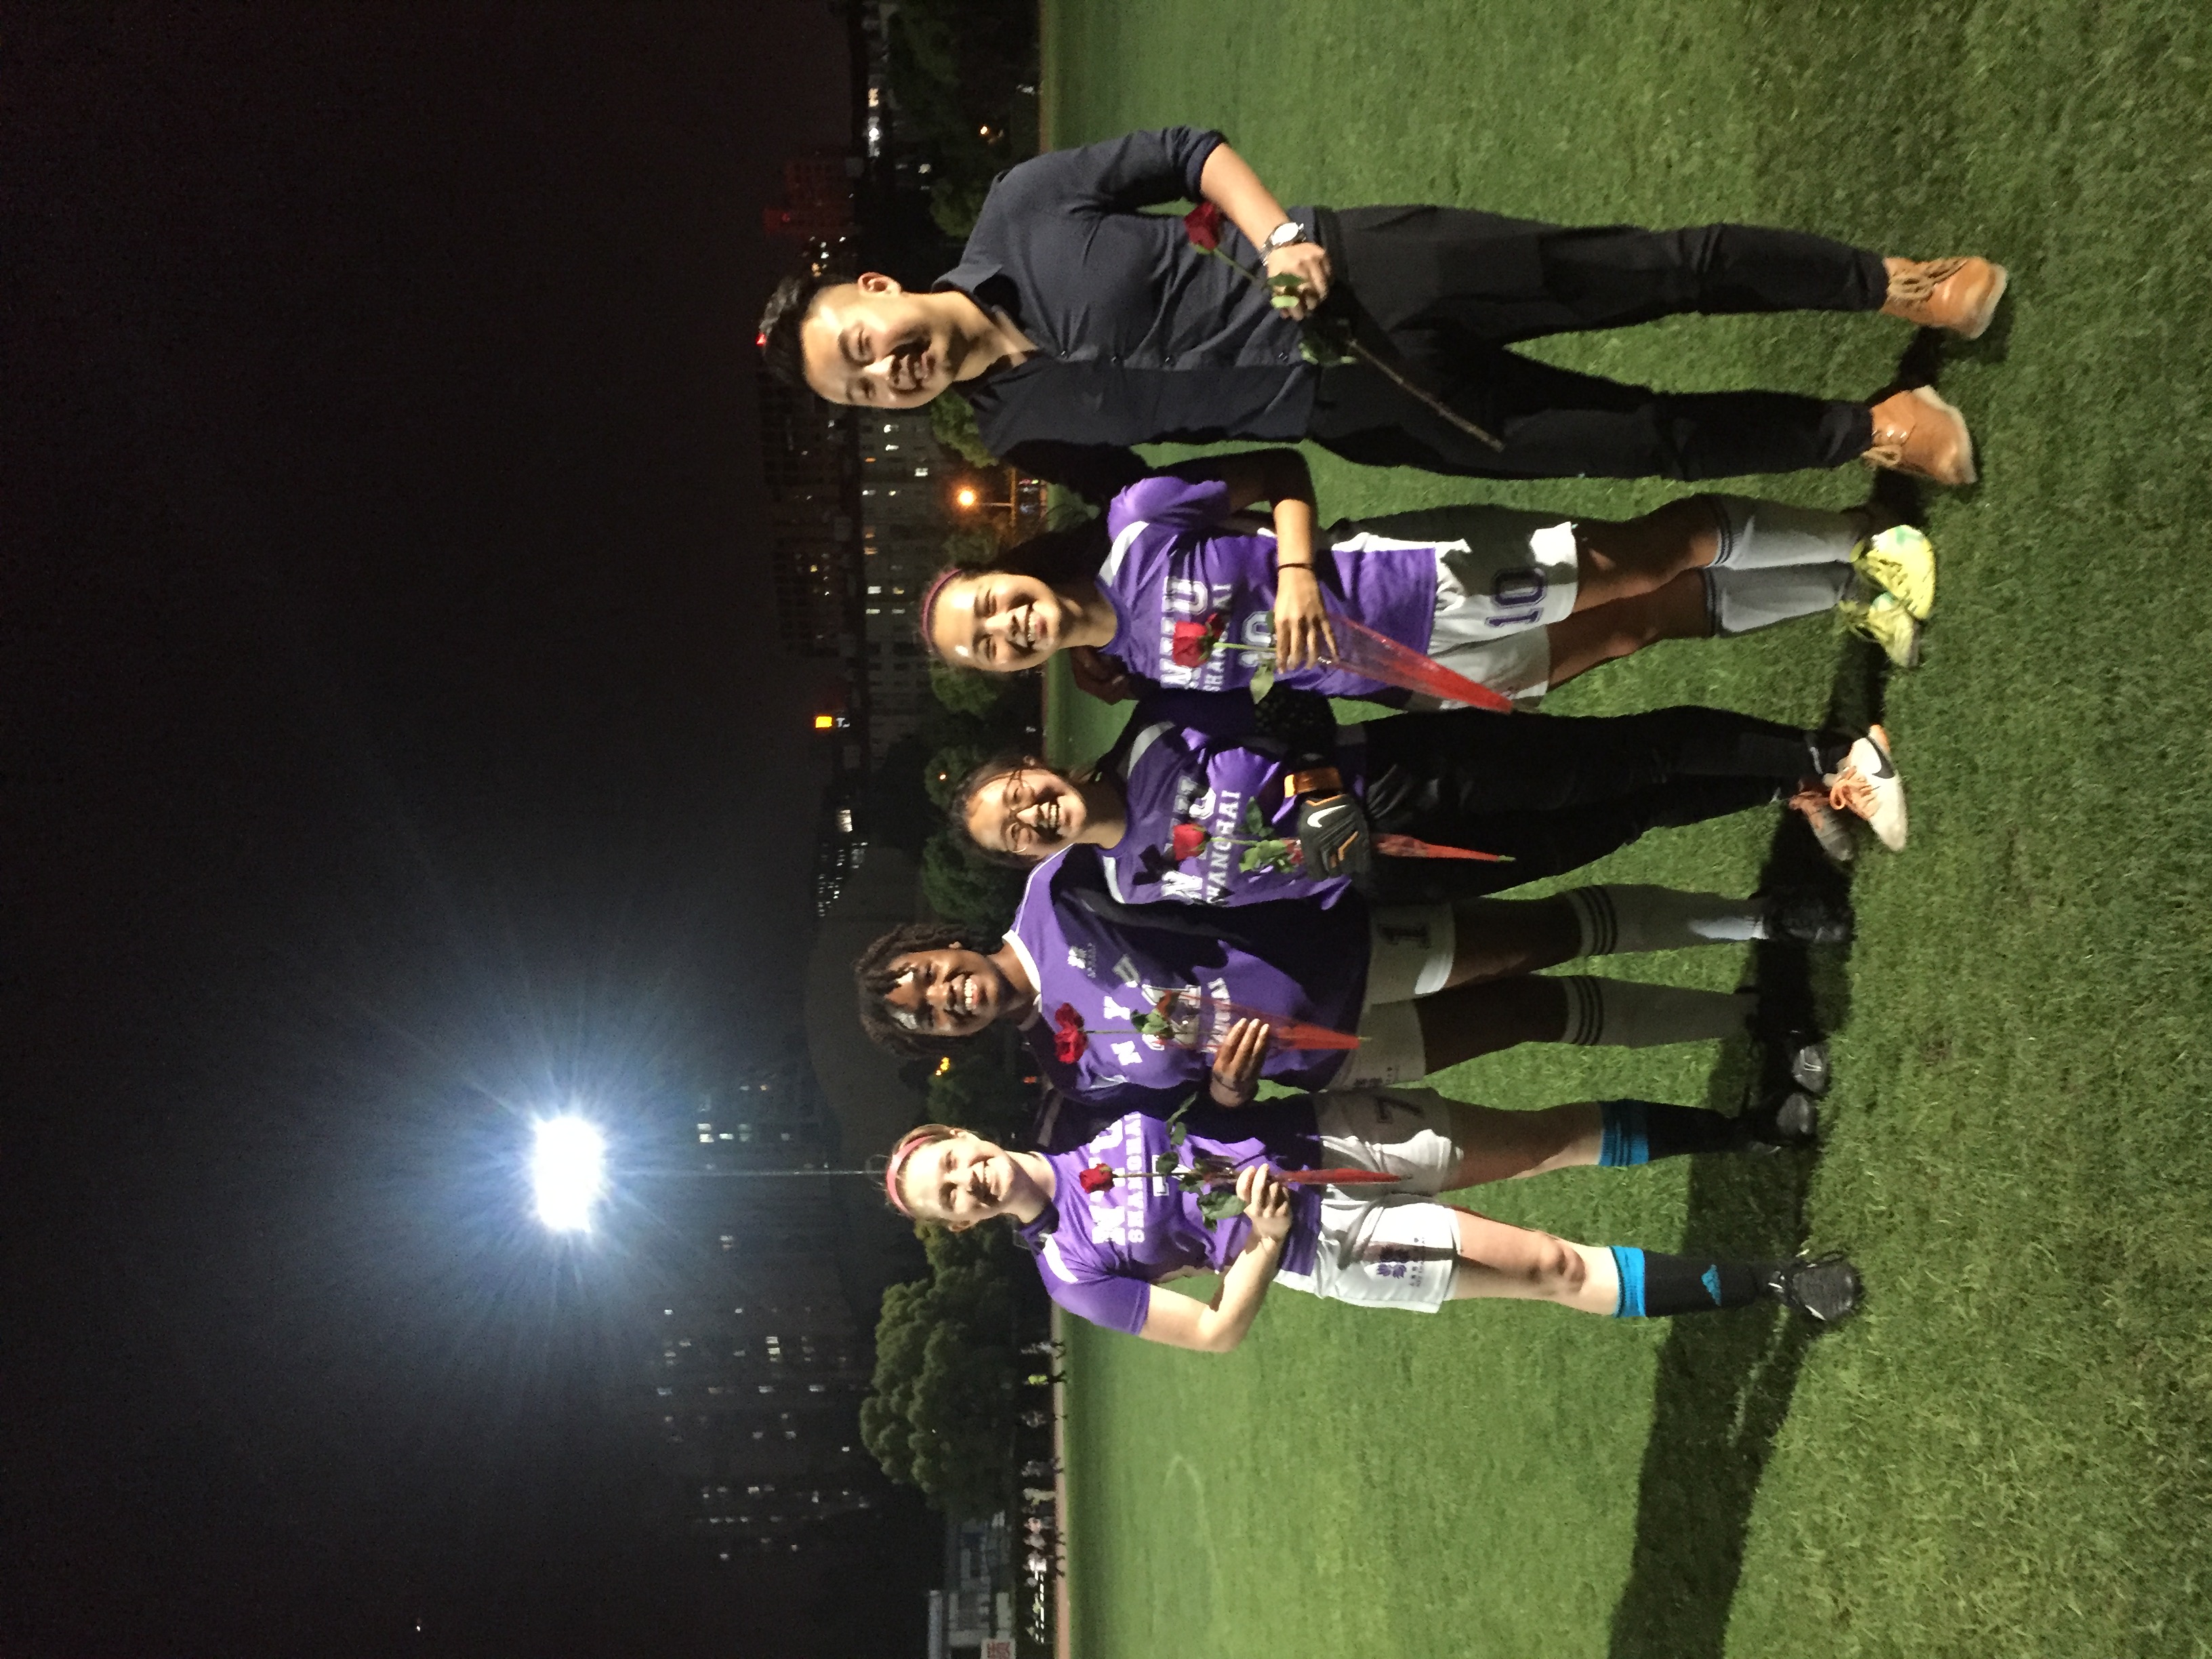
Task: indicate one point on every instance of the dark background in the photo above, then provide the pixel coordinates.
(395, 741)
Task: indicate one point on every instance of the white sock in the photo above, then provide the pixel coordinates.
(1769, 535)
(1741, 601)
(1621, 920)
(1622, 1013)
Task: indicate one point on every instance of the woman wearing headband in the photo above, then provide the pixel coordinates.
(1194, 805)
(1176, 589)
(1108, 1220)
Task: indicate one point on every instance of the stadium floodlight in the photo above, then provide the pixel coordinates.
(567, 1172)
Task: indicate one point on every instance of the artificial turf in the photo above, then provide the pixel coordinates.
(2008, 1452)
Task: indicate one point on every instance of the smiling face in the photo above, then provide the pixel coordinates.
(961, 1181)
(996, 621)
(1031, 812)
(950, 993)
(873, 345)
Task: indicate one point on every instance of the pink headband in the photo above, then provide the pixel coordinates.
(929, 607)
(908, 1144)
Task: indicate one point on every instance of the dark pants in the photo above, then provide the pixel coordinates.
(1443, 291)
(1554, 793)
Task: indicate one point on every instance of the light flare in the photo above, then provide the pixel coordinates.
(567, 1172)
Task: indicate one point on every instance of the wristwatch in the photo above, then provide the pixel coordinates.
(1283, 235)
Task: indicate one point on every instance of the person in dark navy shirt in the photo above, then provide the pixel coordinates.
(1078, 325)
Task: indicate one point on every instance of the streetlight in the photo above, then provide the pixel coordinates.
(567, 1172)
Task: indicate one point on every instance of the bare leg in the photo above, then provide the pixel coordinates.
(1589, 638)
(1496, 1145)
(1495, 939)
(1622, 559)
(1470, 1020)
(1523, 1265)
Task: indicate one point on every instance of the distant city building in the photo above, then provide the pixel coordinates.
(976, 1604)
(840, 838)
(816, 212)
(760, 1356)
(813, 475)
(903, 531)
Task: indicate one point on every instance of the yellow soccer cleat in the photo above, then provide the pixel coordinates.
(1889, 625)
(1900, 561)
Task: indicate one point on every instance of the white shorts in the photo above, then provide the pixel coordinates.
(1502, 576)
(1409, 951)
(1409, 954)
(1398, 1250)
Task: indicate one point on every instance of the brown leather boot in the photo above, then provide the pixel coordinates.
(1918, 432)
(1960, 294)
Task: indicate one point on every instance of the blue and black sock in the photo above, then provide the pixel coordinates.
(1644, 1131)
(1654, 1284)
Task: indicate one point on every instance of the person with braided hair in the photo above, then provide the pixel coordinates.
(1119, 1003)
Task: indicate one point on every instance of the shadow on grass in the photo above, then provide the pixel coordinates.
(1725, 1382)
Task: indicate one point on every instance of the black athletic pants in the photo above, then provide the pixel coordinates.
(1447, 289)
(1554, 793)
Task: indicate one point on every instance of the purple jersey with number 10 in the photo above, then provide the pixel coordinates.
(1177, 571)
(1292, 961)
(1100, 1253)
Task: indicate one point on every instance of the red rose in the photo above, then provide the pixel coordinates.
(1068, 1038)
(1193, 640)
(1188, 841)
(1096, 1179)
(1202, 224)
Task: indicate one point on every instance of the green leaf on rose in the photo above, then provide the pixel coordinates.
(1265, 855)
(1164, 1163)
(1219, 1206)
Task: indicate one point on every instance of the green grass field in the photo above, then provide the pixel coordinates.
(2007, 1454)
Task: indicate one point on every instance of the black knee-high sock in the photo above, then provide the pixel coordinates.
(1655, 1286)
(1644, 1131)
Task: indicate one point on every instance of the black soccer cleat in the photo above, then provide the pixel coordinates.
(1783, 1125)
(1805, 1060)
(1825, 1290)
(1808, 919)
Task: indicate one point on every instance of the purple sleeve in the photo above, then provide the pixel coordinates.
(1250, 772)
(1165, 499)
(1116, 1304)
(1136, 170)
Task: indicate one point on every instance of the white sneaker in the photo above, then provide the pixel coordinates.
(1867, 786)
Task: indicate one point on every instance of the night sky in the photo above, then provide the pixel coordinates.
(395, 741)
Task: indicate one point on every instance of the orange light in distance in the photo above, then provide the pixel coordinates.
(966, 498)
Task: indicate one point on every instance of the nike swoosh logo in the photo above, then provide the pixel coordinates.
(1882, 768)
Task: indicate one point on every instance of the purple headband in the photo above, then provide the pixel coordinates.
(929, 607)
(927, 1134)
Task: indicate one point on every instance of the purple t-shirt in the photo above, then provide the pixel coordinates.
(1099, 1253)
(1176, 573)
(1209, 822)
(1288, 961)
